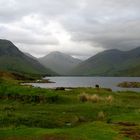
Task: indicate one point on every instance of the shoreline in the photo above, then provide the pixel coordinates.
(127, 84)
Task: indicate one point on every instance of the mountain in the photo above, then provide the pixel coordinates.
(134, 72)
(12, 59)
(29, 55)
(111, 63)
(59, 62)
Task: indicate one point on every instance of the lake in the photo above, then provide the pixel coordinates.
(104, 82)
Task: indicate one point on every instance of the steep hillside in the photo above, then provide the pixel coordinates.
(59, 62)
(111, 63)
(133, 71)
(12, 59)
(29, 55)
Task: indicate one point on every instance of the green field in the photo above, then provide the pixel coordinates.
(28, 113)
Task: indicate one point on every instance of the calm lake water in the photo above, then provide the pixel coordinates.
(105, 82)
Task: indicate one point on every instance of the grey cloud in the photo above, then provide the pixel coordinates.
(117, 35)
(12, 10)
(25, 36)
(98, 24)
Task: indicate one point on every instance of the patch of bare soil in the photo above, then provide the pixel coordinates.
(130, 130)
(131, 133)
(47, 137)
(126, 124)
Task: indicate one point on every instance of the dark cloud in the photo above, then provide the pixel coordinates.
(78, 27)
(123, 35)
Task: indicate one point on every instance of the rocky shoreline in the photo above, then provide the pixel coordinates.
(127, 84)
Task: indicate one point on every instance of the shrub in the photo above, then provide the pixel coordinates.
(84, 97)
(52, 99)
(101, 115)
(94, 98)
(109, 99)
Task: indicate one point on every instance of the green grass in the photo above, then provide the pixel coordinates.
(61, 114)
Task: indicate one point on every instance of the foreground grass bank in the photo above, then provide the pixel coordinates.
(28, 113)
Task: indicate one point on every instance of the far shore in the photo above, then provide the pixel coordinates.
(127, 84)
(41, 81)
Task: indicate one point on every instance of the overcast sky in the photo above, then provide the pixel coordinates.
(80, 28)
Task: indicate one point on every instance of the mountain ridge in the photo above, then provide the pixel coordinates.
(59, 62)
(12, 59)
(109, 63)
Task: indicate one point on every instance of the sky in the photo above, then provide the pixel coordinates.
(80, 28)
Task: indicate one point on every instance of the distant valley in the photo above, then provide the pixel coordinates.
(107, 63)
(59, 62)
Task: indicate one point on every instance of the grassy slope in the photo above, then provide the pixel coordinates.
(17, 64)
(111, 63)
(135, 71)
(12, 59)
(62, 116)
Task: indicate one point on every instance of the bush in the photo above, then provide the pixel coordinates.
(84, 97)
(109, 99)
(101, 115)
(94, 98)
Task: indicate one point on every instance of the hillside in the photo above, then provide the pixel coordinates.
(111, 63)
(59, 62)
(29, 55)
(134, 71)
(12, 59)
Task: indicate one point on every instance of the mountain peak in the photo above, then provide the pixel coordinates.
(5, 40)
(57, 53)
(110, 63)
(59, 62)
(12, 59)
(6, 44)
(112, 51)
(8, 48)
